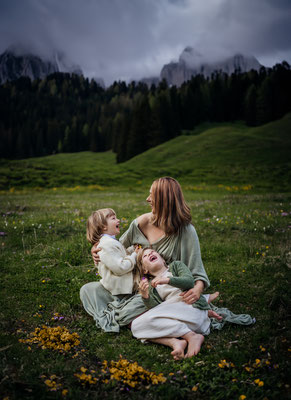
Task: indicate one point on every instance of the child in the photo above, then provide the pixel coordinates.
(171, 318)
(117, 267)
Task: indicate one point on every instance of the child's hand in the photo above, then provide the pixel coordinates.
(159, 281)
(137, 248)
(144, 288)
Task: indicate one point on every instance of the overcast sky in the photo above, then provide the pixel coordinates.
(132, 39)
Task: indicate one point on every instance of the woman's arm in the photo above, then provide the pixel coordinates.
(191, 256)
(127, 237)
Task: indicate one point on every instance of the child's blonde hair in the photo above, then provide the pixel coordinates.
(95, 228)
(96, 224)
(139, 259)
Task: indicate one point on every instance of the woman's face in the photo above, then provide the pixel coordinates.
(149, 198)
(152, 262)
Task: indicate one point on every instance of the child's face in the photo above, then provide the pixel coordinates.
(112, 227)
(152, 262)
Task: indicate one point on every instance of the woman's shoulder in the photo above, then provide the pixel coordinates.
(143, 220)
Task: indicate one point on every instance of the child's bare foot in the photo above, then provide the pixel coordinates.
(195, 341)
(213, 314)
(212, 297)
(179, 346)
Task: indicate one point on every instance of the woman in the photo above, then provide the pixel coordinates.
(168, 230)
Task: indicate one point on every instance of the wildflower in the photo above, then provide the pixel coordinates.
(262, 348)
(57, 338)
(242, 397)
(224, 364)
(195, 388)
(64, 392)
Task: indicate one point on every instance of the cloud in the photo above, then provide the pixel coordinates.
(131, 39)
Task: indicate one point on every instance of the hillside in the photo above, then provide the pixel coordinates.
(223, 154)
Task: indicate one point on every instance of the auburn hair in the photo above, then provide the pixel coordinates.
(96, 224)
(170, 211)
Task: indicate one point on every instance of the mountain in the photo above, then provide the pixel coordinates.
(14, 65)
(154, 80)
(192, 63)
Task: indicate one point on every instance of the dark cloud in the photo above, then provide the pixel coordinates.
(124, 39)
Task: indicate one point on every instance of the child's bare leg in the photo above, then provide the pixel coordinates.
(177, 345)
(213, 296)
(213, 314)
(194, 341)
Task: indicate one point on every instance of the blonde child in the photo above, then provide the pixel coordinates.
(117, 266)
(170, 318)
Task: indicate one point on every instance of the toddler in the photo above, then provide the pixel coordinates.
(117, 266)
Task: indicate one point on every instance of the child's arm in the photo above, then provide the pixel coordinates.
(147, 294)
(112, 256)
(182, 277)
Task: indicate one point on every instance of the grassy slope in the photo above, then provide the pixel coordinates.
(226, 154)
(229, 154)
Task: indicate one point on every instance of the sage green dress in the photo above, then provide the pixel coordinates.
(111, 312)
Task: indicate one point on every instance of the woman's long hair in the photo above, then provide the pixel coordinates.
(170, 211)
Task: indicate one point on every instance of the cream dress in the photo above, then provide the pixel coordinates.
(172, 318)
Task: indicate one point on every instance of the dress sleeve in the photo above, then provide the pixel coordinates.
(127, 237)
(182, 277)
(191, 255)
(153, 300)
(112, 257)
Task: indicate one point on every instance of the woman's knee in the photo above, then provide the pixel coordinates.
(87, 288)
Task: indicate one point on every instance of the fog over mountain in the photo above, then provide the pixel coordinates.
(192, 63)
(125, 39)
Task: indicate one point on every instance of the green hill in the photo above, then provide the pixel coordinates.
(224, 154)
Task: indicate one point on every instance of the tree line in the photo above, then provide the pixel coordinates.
(69, 113)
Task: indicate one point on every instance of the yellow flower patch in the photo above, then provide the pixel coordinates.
(55, 338)
(132, 374)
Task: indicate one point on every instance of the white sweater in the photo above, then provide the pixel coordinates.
(115, 266)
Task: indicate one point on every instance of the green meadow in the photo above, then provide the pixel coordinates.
(228, 154)
(236, 180)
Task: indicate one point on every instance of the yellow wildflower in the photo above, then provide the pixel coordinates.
(242, 397)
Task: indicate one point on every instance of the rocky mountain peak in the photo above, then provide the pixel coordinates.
(192, 63)
(18, 61)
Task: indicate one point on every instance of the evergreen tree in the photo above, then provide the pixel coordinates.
(250, 104)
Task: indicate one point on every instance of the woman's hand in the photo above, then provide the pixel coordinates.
(144, 288)
(94, 252)
(159, 281)
(192, 295)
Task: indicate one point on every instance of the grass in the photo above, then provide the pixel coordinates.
(45, 259)
(227, 154)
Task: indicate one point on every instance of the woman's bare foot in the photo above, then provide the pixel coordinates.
(213, 314)
(212, 297)
(179, 346)
(195, 341)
